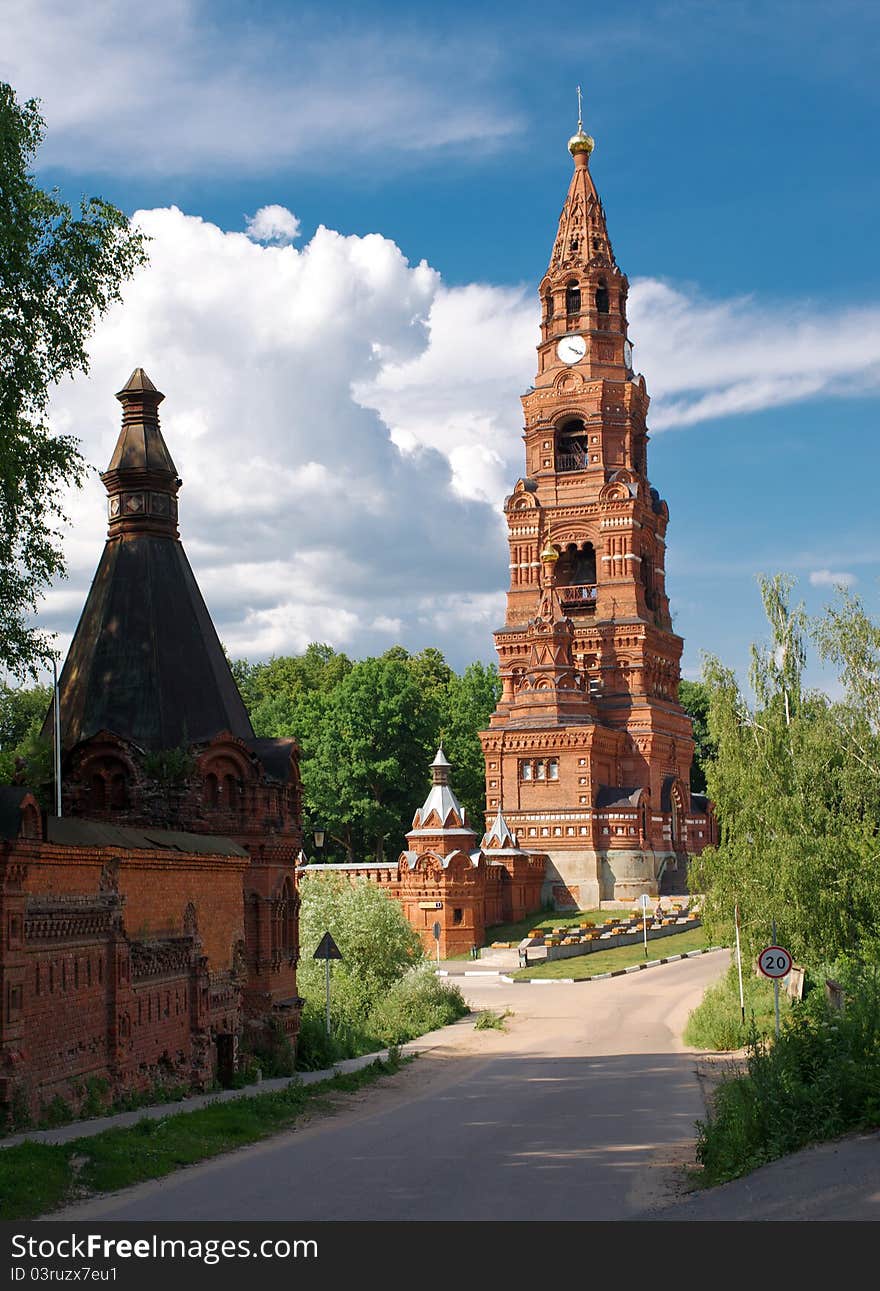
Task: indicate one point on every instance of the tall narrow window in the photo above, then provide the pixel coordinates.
(573, 298)
(548, 307)
(602, 300)
(230, 793)
(97, 793)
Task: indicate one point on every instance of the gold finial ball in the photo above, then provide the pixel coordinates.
(581, 142)
(550, 554)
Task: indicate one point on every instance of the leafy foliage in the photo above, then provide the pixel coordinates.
(820, 1079)
(795, 780)
(418, 1002)
(694, 699)
(58, 272)
(22, 711)
(381, 991)
(368, 731)
(716, 1022)
(169, 767)
(375, 940)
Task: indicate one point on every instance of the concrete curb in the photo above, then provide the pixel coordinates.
(601, 977)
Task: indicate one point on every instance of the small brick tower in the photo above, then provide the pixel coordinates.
(589, 751)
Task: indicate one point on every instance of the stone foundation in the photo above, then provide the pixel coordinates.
(578, 879)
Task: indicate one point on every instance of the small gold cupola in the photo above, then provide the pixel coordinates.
(580, 145)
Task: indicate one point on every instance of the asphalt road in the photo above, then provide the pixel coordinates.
(583, 1109)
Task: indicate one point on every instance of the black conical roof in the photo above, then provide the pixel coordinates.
(145, 661)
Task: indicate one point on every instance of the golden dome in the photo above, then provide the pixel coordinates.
(550, 553)
(581, 142)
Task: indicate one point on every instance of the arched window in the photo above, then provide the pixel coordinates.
(648, 579)
(573, 298)
(581, 563)
(212, 790)
(602, 300)
(118, 791)
(30, 822)
(571, 446)
(676, 820)
(97, 793)
(576, 578)
(548, 307)
(230, 793)
(284, 923)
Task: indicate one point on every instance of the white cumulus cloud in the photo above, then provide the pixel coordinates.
(347, 425)
(273, 224)
(303, 520)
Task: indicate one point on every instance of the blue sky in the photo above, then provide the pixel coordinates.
(736, 160)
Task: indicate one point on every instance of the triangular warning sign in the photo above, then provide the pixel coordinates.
(327, 949)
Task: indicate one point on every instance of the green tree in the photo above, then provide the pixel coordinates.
(798, 812)
(470, 702)
(58, 272)
(371, 931)
(22, 711)
(367, 747)
(323, 699)
(694, 699)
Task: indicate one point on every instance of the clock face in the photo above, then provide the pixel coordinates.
(628, 355)
(571, 349)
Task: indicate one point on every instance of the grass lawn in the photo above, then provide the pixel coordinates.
(542, 919)
(716, 1022)
(581, 967)
(40, 1177)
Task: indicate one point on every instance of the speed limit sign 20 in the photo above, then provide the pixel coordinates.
(774, 961)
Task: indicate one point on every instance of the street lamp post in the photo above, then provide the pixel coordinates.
(319, 839)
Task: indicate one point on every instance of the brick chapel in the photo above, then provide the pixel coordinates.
(153, 922)
(588, 753)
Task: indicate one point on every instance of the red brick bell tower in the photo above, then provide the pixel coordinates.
(588, 753)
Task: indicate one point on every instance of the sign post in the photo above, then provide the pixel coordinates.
(775, 962)
(645, 901)
(739, 964)
(327, 950)
(436, 932)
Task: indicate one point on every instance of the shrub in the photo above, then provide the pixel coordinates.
(57, 1112)
(372, 933)
(382, 992)
(316, 1051)
(417, 1003)
(820, 1079)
